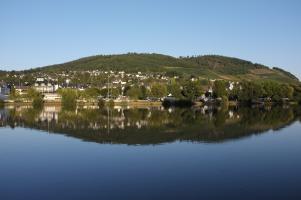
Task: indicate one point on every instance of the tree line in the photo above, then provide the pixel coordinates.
(197, 90)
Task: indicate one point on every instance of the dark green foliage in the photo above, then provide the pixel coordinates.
(225, 65)
(192, 90)
(104, 92)
(250, 91)
(269, 90)
(37, 102)
(205, 66)
(113, 92)
(36, 98)
(14, 95)
(131, 62)
(69, 97)
(173, 73)
(134, 92)
(286, 73)
(144, 92)
(175, 89)
(297, 94)
(220, 89)
(158, 90)
(90, 93)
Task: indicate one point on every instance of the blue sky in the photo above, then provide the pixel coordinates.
(40, 32)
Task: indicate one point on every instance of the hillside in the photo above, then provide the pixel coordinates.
(210, 66)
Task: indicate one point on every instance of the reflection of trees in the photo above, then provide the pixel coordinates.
(220, 117)
(267, 119)
(153, 126)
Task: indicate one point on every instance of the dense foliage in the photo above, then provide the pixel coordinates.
(36, 98)
(192, 90)
(286, 73)
(225, 65)
(269, 91)
(69, 97)
(205, 66)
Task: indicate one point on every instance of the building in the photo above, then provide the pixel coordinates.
(4, 89)
(44, 86)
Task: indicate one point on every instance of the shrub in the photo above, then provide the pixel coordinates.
(68, 99)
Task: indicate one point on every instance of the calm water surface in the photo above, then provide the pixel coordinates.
(241, 153)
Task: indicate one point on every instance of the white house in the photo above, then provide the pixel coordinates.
(43, 86)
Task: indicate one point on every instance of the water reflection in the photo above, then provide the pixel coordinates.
(151, 125)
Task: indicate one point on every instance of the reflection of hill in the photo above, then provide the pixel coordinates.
(151, 126)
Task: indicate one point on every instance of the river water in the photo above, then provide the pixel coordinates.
(150, 153)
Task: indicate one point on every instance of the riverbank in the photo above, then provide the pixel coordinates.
(137, 103)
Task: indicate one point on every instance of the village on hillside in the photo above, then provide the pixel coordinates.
(110, 84)
(120, 86)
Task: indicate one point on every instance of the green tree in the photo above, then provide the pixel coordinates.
(175, 89)
(287, 91)
(297, 93)
(250, 91)
(69, 97)
(144, 92)
(36, 98)
(220, 88)
(158, 90)
(192, 90)
(14, 94)
(115, 92)
(91, 93)
(134, 92)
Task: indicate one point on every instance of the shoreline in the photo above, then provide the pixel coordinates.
(141, 103)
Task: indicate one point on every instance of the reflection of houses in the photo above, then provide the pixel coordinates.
(52, 97)
(48, 116)
(49, 113)
(44, 86)
(22, 89)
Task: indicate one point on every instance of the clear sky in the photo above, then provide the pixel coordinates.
(40, 32)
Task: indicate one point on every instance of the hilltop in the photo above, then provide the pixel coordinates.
(209, 66)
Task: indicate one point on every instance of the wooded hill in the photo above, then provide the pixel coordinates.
(210, 66)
